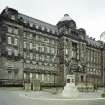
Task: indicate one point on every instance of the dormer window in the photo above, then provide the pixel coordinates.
(48, 30)
(43, 28)
(12, 17)
(31, 24)
(37, 27)
(53, 32)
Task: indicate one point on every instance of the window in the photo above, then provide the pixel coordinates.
(53, 31)
(31, 46)
(47, 58)
(9, 51)
(37, 76)
(30, 36)
(42, 57)
(16, 74)
(16, 52)
(9, 40)
(37, 57)
(31, 56)
(48, 77)
(24, 34)
(52, 41)
(66, 51)
(82, 78)
(37, 27)
(25, 45)
(42, 48)
(48, 50)
(46, 40)
(42, 77)
(37, 38)
(15, 41)
(31, 24)
(48, 30)
(43, 28)
(15, 31)
(25, 55)
(30, 75)
(52, 50)
(10, 29)
(37, 47)
(24, 75)
(12, 17)
(10, 75)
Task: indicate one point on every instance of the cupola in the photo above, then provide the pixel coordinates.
(66, 22)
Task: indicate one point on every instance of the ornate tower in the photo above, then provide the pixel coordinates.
(66, 24)
(66, 27)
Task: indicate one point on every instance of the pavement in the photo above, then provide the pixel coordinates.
(12, 96)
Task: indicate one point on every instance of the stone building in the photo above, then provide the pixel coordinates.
(31, 49)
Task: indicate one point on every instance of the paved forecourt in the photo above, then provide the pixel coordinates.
(19, 97)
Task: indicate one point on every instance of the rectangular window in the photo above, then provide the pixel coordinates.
(16, 52)
(42, 48)
(13, 17)
(25, 55)
(15, 31)
(37, 57)
(42, 77)
(52, 41)
(42, 57)
(24, 34)
(10, 29)
(10, 75)
(31, 46)
(15, 41)
(52, 50)
(25, 44)
(9, 51)
(66, 51)
(37, 76)
(37, 47)
(30, 36)
(48, 50)
(9, 40)
(31, 56)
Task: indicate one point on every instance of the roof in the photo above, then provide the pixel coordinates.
(66, 18)
(44, 25)
(93, 42)
(37, 22)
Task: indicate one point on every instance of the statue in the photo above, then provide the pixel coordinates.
(68, 66)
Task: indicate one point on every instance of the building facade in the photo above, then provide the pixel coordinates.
(31, 49)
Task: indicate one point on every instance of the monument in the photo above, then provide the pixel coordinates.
(70, 89)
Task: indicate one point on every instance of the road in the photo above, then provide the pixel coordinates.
(13, 97)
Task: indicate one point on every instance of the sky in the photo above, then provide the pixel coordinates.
(88, 14)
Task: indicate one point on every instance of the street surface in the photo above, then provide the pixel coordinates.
(20, 97)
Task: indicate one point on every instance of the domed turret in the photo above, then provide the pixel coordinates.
(66, 18)
(66, 22)
(82, 33)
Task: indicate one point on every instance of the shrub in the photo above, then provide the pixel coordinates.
(103, 94)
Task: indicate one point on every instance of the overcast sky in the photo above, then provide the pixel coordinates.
(88, 14)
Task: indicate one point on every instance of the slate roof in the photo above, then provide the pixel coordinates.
(93, 42)
(50, 27)
(37, 22)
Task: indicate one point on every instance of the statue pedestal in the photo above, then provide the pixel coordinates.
(70, 90)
